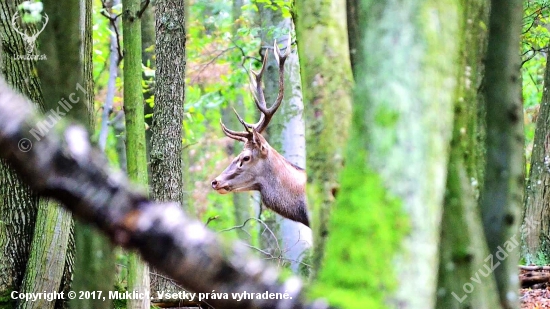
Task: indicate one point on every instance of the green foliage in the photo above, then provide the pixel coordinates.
(6, 301)
(222, 50)
(535, 39)
(32, 11)
(285, 6)
(120, 303)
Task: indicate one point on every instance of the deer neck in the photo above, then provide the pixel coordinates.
(283, 188)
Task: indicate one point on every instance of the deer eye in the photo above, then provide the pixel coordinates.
(246, 158)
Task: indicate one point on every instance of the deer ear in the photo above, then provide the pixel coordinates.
(262, 144)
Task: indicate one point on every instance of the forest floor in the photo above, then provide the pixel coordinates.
(535, 298)
(535, 283)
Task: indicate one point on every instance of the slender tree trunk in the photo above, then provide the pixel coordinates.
(138, 272)
(396, 162)
(167, 128)
(504, 174)
(354, 32)
(242, 202)
(111, 83)
(536, 220)
(327, 80)
(16, 199)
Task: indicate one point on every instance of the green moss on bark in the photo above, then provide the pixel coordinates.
(357, 269)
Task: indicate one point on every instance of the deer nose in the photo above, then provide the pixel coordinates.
(214, 183)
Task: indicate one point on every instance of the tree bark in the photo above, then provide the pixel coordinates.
(462, 252)
(396, 162)
(504, 174)
(16, 198)
(327, 81)
(167, 128)
(67, 51)
(536, 225)
(138, 272)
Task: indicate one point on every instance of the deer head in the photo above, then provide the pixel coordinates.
(259, 167)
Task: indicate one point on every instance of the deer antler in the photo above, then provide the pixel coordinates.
(46, 19)
(256, 86)
(14, 24)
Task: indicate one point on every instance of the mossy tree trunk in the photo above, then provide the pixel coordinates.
(390, 204)
(67, 42)
(501, 198)
(138, 272)
(16, 199)
(326, 85)
(462, 251)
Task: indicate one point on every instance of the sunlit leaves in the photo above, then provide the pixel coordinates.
(535, 41)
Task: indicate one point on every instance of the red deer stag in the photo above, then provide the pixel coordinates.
(259, 167)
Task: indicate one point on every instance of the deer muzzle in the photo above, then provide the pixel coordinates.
(221, 187)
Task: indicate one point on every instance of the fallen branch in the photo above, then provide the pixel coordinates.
(61, 163)
(533, 267)
(531, 279)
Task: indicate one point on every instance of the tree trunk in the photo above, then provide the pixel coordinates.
(242, 202)
(327, 80)
(536, 221)
(462, 252)
(138, 272)
(67, 84)
(16, 198)
(396, 162)
(502, 195)
(167, 128)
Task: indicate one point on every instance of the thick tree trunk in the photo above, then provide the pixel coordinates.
(16, 198)
(67, 51)
(396, 164)
(327, 81)
(504, 174)
(462, 252)
(166, 163)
